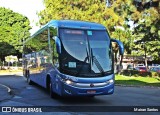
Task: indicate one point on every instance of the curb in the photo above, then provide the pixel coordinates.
(136, 86)
(11, 73)
(8, 89)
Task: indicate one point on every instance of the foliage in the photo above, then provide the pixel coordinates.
(13, 28)
(1, 63)
(91, 10)
(6, 49)
(147, 33)
(118, 14)
(155, 74)
(136, 81)
(136, 73)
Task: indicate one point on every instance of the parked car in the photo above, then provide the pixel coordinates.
(141, 69)
(155, 65)
(140, 65)
(155, 69)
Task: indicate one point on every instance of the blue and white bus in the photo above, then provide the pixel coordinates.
(71, 58)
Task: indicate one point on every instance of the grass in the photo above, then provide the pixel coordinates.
(137, 81)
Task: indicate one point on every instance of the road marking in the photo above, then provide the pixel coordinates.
(30, 88)
(17, 97)
(9, 89)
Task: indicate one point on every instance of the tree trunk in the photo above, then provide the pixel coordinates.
(145, 56)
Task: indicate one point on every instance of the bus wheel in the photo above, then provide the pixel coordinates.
(51, 90)
(29, 81)
(24, 73)
(91, 96)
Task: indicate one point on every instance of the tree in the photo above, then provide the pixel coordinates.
(90, 10)
(1, 63)
(117, 13)
(147, 32)
(14, 27)
(111, 16)
(144, 38)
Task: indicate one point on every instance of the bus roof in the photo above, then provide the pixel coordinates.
(76, 24)
(71, 24)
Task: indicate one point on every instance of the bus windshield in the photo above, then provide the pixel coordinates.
(85, 53)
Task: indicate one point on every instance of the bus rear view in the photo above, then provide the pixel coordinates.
(82, 62)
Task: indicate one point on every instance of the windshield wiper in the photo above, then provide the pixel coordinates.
(94, 59)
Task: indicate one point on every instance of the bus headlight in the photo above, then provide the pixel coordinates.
(68, 82)
(111, 81)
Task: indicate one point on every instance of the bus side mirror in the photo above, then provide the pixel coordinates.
(120, 45)
(58, 44)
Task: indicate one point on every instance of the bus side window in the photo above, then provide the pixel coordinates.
(28, 49)
(41, 41)
(42, 48)
(55, 59)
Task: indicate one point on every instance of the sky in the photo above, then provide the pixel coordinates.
(28, 8)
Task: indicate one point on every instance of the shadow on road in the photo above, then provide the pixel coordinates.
(74, 100)
(19, 84)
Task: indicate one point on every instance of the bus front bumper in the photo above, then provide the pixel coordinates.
(69, 90)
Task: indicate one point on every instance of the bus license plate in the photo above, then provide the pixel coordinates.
(91, 91)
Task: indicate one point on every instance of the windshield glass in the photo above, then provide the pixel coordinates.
(85, 52)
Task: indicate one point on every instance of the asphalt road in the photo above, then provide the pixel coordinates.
(34, 95)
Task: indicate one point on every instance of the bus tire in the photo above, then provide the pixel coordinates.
(29, 81)
(24, 73)
(51, 90)
(91, 96)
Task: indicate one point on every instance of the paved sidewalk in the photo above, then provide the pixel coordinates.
(11, 73)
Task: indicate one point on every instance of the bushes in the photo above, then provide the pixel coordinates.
(155, 74)
(136, 73)
(129, 72)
